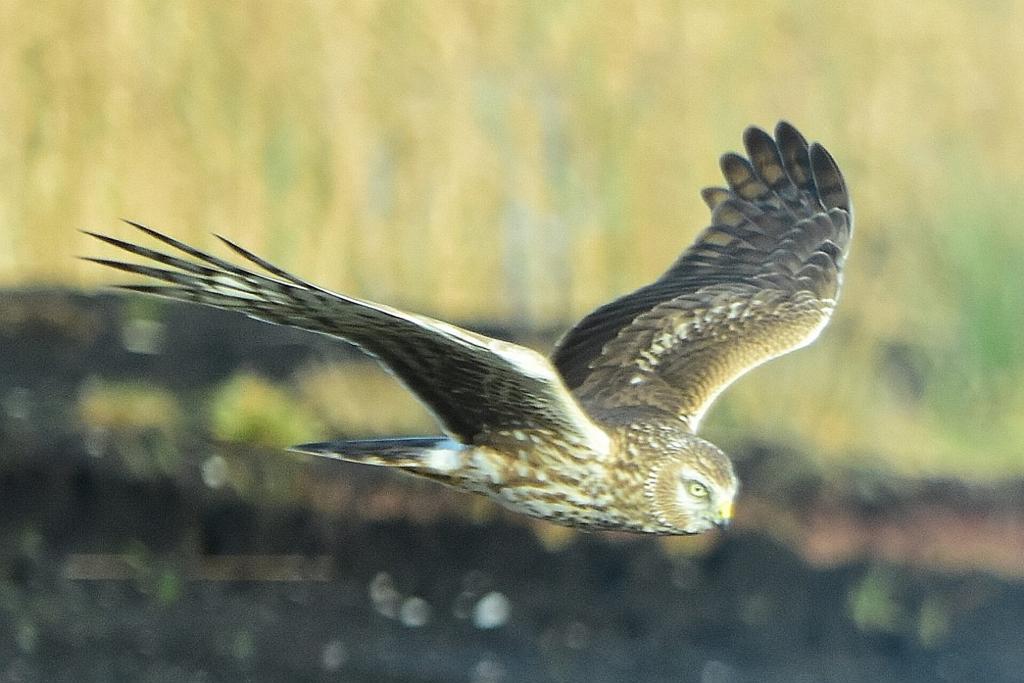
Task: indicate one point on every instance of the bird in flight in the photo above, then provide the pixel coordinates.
(603, 434)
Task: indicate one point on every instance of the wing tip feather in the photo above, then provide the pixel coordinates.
(828, 178)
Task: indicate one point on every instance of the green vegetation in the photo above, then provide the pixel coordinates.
(875, 603)
(130, 406)
(250, 409)
(525, 161)
(884, 602)
(144, 423)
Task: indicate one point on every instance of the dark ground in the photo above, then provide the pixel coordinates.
(114, 573)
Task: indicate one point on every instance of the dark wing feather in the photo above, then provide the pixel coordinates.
(475, 385)
(759, 282)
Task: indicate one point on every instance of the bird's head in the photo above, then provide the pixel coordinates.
(692, 487)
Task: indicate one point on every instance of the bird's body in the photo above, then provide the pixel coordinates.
(602, 435)
(536, 473)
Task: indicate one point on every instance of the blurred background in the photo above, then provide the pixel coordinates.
(505, 166)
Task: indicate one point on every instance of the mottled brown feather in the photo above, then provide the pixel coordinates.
(760, 281)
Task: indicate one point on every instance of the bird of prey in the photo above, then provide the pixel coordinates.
(601, 435)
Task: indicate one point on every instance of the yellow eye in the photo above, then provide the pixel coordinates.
(697, 489)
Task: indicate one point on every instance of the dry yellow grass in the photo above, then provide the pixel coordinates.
(527, 160)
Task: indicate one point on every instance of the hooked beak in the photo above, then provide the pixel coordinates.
(724, 514)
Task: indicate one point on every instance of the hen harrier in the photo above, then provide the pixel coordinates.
(602, 435)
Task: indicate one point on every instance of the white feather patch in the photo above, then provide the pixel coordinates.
(443, 459)
(527, 361)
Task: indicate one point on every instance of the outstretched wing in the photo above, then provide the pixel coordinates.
(761, 281)
(476, 386)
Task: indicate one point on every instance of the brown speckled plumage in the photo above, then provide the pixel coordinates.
(602, 436)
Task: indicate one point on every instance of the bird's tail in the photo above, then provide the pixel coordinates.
(433, 454)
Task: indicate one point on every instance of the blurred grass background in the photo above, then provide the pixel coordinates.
(523, 162)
